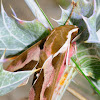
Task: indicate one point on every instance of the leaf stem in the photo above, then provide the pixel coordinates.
(76, 94)
(44, 14)
(85, 76)
(68, 20)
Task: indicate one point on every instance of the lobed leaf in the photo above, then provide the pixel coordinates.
(82, 7)
(97, 15)
(38, 13)
(11, 80)
(15, 37)
(91, 26)
(88, 58)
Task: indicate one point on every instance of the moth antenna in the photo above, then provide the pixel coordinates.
(74, 5)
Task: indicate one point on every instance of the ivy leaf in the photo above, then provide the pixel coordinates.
(16, 36)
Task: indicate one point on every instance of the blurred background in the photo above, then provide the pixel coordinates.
(52, 10)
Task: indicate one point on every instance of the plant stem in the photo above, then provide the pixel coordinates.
(44, 14)
(67, 21)
(85, 76)
(76, 94)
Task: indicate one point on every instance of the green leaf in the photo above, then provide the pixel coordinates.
(83, 7)
(98, 18)
(96, 83)
(97, 15)
(91, 25)
(11, 80)
(86, 77)
(16, 36)
(98, 34)
(38, 13)
(88, 58)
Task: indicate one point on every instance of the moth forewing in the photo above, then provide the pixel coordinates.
(27, 60)
(67, 43)
(59, 88)
(54, 61)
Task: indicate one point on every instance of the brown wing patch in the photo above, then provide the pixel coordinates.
(58, 60)
(29, 66)
(57, 38)
(38, 85)
(31, 54)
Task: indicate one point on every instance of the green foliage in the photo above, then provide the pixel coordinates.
(89, 53)
(15, 36)
(92, 83)
(97, 15)
(11, 80)
(38, 13)
(91, 26)
(83, 8)
(88, 58)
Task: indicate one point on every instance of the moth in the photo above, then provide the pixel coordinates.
(50, 55)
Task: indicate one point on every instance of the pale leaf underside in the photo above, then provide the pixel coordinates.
(88, 58)
(83, 7)
(36, 10)
(16, 36)
(11, 80)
